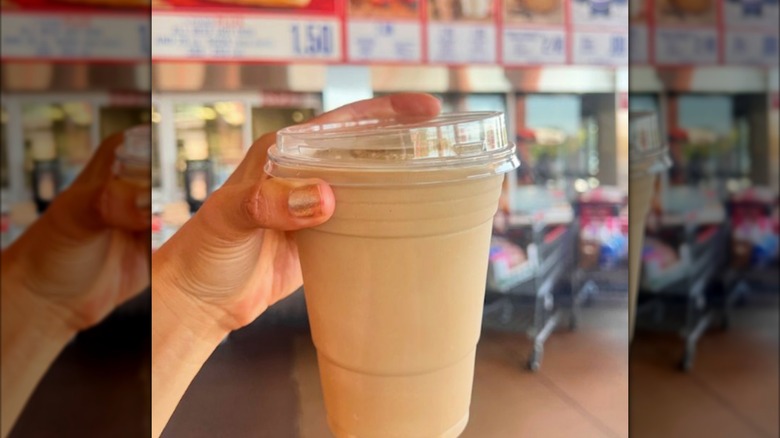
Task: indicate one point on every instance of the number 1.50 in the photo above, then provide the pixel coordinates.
(312, 39)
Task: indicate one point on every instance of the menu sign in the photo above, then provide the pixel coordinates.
(600, 48)
(462, 35)
(384, 31)
(751, 35)
(73, 32)
(247, 30)
(535, 32)
(235, 36)
(704, 32)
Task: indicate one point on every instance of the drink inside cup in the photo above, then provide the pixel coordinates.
(395, 280)
(648, 156)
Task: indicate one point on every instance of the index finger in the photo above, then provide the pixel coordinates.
(394, 105)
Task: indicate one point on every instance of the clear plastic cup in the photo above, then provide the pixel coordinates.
(648, 156)
(133, 158)
(395, 280)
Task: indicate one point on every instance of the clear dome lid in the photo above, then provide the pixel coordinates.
(473, 143)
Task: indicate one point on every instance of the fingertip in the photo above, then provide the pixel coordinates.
(125, 206)
(415, 104)
(328, 201)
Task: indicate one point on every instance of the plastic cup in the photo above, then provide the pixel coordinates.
(133, 158)
(395, 280)
(648, 156)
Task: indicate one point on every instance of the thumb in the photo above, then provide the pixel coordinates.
(275, 203)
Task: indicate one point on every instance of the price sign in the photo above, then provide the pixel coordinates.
(534, 46)
(599, 12)
(751, 13)
(235, 36)
(600, 48)
(312, 39)
(461, 43)
(686, 46)
(753, 48)
(392, 41)
(639, 52)
(75, 36)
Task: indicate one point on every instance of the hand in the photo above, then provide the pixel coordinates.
(236, 256)
(88, 252)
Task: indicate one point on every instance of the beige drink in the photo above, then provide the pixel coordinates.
(648, 156)
(640, 193)
(395, 281)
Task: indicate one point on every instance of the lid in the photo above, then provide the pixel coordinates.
(448, 147)
(648, 153)
(137, 145)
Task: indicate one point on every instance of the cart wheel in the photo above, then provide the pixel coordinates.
(686, 364)
(535, 361)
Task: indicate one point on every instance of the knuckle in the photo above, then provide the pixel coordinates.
(257, 206)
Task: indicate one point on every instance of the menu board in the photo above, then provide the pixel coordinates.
(704, 32)
(599, 31)
(534, 32)
(75, 30)
(248, 30)
(750, 34)
(686, 32)
(462, 32)
(384, 31)
(439, 32)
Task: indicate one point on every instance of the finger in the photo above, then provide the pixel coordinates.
(126, 206)
(237, 210)
(394, 105)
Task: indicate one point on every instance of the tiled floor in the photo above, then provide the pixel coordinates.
(732, 391)
(264, 382)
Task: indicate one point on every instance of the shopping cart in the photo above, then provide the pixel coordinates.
(521, 296)
(601, 264)
(682, 296)
(754, 263)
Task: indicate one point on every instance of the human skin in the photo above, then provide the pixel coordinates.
(87, 254)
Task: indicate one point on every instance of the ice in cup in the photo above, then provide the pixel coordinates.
(648, 156)
(395, 280)
(133, 157)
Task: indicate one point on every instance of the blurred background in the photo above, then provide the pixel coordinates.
(73, 74)
(553, 360)
(704, 358)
